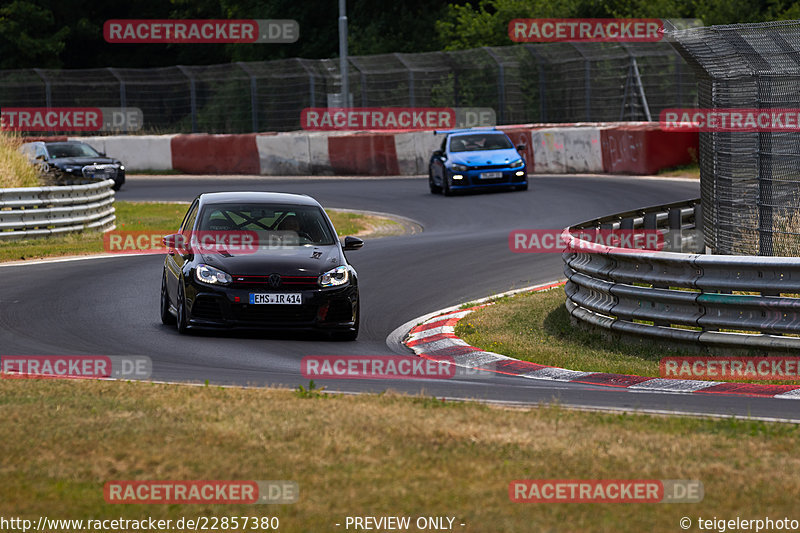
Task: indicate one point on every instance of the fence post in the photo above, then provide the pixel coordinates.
(501, 86)
(587, 86)
(312, 86)
(253, 94)
(411, 99)
(542, 82)
(192, 95)
(123, 100)
(48, 96)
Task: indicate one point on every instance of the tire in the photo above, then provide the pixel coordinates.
(181, 321)
(446, 186)
(166, 316)
(435, 189)
(349, 334)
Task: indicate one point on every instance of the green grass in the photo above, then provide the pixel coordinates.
(156, 217)
(536, 327)
(684, 171)
(374, 455)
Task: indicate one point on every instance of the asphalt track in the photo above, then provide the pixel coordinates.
(110, 306)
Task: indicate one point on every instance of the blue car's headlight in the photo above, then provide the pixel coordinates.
(459, 168)
(334, 277)
(213, 276)
(517, 164)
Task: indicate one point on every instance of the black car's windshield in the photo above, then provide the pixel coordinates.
(286, 225)
(479, 141)
(57, 150)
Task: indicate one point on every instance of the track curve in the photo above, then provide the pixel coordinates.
(109, 306)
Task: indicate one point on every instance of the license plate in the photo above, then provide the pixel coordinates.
(293, 298)
(491, 175)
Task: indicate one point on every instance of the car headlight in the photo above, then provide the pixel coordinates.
(518, 163)
(335, 277)
(213, 276)
(459, 168)
(122, 167)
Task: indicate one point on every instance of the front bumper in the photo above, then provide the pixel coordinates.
(322, 309)
(472, 179)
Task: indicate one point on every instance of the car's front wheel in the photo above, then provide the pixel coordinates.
(183, 322)
(446, 190)
(435, 189)
(166, 316)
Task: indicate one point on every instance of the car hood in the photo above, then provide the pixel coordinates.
(486, 157)
(287, 261)
(74, 161)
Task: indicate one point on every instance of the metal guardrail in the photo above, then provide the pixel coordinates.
(42, 211)
(687, 300)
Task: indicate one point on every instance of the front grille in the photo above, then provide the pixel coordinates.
(100, 172)
(288, 283)
(206, 307)
(489, 167)
(275, 313)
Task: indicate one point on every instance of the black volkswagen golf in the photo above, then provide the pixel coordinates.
(259, 260)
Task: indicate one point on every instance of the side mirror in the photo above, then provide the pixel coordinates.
(521, 148)
(352, 243)
(41, 157)
(175, 241)
(438, 153)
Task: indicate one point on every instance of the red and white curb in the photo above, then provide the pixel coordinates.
(435, 339)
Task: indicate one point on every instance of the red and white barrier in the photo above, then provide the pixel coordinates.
(615, 148)
(137, 152)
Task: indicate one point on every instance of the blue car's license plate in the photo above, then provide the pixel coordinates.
(294, 298)
(491, 175)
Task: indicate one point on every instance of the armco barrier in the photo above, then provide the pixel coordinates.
(683, 300)
(646, 149)
(617, 148)
(215, 154)
(41, 211)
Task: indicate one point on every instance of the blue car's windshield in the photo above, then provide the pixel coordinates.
(479, 141)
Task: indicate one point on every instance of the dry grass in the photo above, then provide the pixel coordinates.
(373, 455)
(15, 169)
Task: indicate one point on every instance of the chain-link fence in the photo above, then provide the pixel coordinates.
(553, 82)
(750, 180)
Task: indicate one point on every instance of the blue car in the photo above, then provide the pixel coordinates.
(476, 160)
